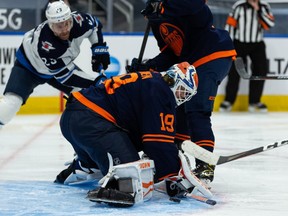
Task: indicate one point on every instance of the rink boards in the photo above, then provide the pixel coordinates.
(123, 48)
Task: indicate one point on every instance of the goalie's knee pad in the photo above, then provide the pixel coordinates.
(134, 179)
(10, 104)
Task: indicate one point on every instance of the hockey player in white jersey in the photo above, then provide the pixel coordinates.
(47, 53)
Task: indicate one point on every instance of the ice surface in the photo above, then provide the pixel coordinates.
(33, 152)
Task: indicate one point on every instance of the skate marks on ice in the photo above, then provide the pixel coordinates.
(47, 198)
(253, 185)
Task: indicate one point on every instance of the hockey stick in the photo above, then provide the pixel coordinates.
(212, 158)
(144, 42)
(201, 199)
(241, 70)
(188, 195)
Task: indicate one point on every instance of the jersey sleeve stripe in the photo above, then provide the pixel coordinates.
(157, 135)
(94, 107)
(182, 136)
(157, 140)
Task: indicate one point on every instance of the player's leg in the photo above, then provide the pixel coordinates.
(182, 132)
(233, 80)
(92, 137)
(19, 87)
(199, 110)
(259, 67)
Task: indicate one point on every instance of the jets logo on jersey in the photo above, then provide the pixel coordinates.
(173, 37)
(79, 19)
(47, 46)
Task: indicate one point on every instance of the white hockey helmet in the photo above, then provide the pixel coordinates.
(183, 81)
(58, 11)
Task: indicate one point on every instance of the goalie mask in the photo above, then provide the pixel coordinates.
(59, 19)
(183, 81)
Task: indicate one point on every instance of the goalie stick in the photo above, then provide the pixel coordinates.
(188, 195)
(213, 159)
(144, 42)
(241, 70)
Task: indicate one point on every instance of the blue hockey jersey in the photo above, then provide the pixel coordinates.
(184, 32)
(46, 55)
(143, 105)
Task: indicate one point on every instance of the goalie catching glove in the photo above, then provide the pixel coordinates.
(125, 184)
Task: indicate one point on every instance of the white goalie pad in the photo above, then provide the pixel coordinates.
(188, 174)
(136, 178)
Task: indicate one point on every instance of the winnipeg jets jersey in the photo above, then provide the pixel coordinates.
(47, 55)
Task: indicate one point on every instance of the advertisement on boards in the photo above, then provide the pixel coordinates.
(123, 48)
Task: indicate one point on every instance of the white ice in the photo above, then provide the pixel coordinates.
(33, 151)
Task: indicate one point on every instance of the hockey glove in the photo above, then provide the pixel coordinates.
(136, 66)
(100, 79)
(100, 57)
(153, 9)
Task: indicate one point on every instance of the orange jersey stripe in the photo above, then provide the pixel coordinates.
(94, 107)
(182, 136)
(215, 55)
(157, 135)
(157, 140)
(208, 143)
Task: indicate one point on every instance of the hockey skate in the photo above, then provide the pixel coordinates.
(77, 174)
(113, 194)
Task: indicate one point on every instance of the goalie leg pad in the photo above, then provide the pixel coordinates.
(187, 172)
(135, 178)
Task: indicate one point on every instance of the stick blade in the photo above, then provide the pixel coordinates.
(199, 152)
(240, 68)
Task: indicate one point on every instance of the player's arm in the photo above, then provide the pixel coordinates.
(266, 18)
(161, 62)
(99, 48)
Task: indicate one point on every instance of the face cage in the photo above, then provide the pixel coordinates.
(183, 89)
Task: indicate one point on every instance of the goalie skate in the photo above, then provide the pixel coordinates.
(111, 197)
(76, 174)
